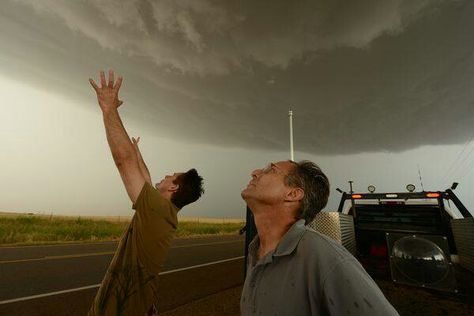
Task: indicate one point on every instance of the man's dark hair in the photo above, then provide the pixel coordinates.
(190, 188)
(309, 177)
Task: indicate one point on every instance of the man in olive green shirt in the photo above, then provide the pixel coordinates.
(130, 284)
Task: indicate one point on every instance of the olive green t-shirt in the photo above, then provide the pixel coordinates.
(130, 284)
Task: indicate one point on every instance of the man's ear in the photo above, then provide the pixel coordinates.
(174, 188)
(295, 195)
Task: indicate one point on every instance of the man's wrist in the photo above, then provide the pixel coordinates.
(108, 111)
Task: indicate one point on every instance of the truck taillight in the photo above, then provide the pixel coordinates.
(356, 196)
(432, 195)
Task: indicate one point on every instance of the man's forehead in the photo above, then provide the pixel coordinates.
(284, 165)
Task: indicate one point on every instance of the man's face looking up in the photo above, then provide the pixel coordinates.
(167, 183)
(268, 184)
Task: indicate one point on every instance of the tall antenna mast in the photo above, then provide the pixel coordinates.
(421, 181)
(290, 117)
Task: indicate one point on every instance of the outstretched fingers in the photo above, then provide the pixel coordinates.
(93, 84)
(110, 83)
(135, 140)
(111, 79)
(102, 79)
(118, 83)
(135, 144)
(107, 91)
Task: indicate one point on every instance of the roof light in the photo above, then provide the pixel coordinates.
(410, 187)
(356, 196)
(432, 195)
(371, 188)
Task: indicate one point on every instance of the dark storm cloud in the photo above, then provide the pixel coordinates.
(360, 76)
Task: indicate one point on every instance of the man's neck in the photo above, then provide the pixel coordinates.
(167, 195)
(272, 225)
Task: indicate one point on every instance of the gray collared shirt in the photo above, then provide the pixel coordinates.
(309, 274)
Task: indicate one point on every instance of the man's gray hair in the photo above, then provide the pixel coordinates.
(309, 177)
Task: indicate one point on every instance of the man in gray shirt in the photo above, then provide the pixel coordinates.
(291, 269)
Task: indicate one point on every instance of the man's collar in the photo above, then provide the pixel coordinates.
(291, 239)
(286, 245)
(253, 250)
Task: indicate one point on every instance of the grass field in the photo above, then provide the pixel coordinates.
(36, 229)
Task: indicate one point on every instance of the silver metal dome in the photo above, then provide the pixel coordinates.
(420, 260)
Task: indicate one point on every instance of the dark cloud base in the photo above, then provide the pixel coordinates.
(401, 91)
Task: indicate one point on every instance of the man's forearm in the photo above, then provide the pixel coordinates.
(143, 167)
(117, 137)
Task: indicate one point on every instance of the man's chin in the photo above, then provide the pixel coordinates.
(245, 193)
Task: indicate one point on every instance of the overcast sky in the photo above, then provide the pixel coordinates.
(377, 88)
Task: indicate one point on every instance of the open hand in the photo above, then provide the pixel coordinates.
(107, 93)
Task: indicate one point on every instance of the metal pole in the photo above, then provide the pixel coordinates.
(290, 117)
(352, 199)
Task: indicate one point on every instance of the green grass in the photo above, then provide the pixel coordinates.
(33, 230)
(26, 230)
(186, 229)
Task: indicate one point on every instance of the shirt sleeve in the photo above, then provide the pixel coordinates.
(154, 227)
(348, 289)
(151, 199)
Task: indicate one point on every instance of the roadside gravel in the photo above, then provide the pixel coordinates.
(407, 300)
(222, 303)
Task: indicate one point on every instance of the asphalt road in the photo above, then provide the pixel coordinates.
(63, 279)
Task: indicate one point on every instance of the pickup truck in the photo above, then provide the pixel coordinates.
(418, 246)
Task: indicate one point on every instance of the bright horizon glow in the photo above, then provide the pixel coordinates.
(55, 159)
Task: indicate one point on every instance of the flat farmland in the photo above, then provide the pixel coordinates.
(29, 229)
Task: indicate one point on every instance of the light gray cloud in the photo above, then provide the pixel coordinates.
(274, 33)
(361, 76)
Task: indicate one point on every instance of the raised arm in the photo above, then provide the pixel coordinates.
(141, 162)
(120, 145)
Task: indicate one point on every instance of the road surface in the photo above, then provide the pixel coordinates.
(63, 279)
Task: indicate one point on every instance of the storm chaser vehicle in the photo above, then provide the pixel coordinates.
(418, 246)
(416, 238)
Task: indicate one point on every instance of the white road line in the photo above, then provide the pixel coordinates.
(211, 243)
(27, 298)
(60, 244)
(92, 254)
(201, 265)
(82, 244)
